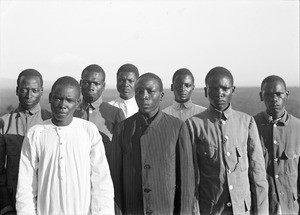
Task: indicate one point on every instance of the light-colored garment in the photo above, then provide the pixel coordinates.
(129, 107)
(183, 111)
(63, 170)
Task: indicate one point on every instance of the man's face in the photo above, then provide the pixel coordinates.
(219, 92)
(64, 100)
(274, 96)
(148, 96)
(125, 84)
(29, 91)
(92, 86)
(183, 87)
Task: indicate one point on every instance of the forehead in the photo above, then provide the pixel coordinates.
(32, 79)
(183, 78)
(66, 90)
(147, 82)
(127, 75)
(220, 80)
(274, 86)
(92, 75)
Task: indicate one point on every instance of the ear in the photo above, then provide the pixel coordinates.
(80, 82)
(42, 90)
(233, 90)
(172, 89)
(17, 89)
(161, 95)
(50, 95)
(104, 83)
(78, 101)
(193, 87)
(261, 96)
(205, 92)
(287, 93)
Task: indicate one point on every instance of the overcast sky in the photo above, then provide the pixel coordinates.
(253, 39)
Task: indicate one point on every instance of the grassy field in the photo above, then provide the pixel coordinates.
(246, 99)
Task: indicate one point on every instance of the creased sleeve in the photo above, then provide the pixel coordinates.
(26, 197)
(102, 192)
(257, 171)
(187, 177)
(116, 167)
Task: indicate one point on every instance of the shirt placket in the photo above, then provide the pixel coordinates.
(276, 160)
(62, 164)
(229, 161)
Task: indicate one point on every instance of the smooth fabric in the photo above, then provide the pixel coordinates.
(281, 146)
(129, 107)
(230, 164)
(184, 110)
(63, 170)
(152, 167)
(15, 125)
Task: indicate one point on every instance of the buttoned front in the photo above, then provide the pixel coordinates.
(147, 163)
(229, 159)
(63, 170)
(281, 146)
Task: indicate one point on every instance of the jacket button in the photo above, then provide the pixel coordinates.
(228, 204)
(147, 166)
(147, 190)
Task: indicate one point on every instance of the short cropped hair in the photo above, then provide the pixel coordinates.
(272, 78)
(153, 76)
(30, 72)
(128, 67)
(66, 81)
(218, 71)
(94, 68)
(182, 71)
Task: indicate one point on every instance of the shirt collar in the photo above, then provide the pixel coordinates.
(179, 106)
(85, 105)
(31, 111)
(225, 115)
(281, 121)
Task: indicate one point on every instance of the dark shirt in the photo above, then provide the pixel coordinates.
(152, 166)
(15, 126)
(281, 146)
(230, 163)
(104, 116)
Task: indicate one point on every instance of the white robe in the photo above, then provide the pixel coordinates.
(63, 170)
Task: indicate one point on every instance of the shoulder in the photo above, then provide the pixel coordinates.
(241, 115)
(113, 102)
(167, 109)
(105, 106)
(171, 120)
(258, 117)
(294, 121)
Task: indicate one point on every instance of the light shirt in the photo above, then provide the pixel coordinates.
(63, 170)
(184, 110)
(129, 107)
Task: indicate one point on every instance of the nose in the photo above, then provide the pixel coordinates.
(145, 95)
(29, 94)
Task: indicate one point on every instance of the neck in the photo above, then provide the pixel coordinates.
(62, 123)
(276, 115)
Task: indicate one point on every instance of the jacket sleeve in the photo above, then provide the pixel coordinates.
(102, 192)
(257, 172)
(116, 167)
(26, 197)
(5, 201)
(187, 177)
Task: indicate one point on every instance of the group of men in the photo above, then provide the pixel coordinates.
(130, 157)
